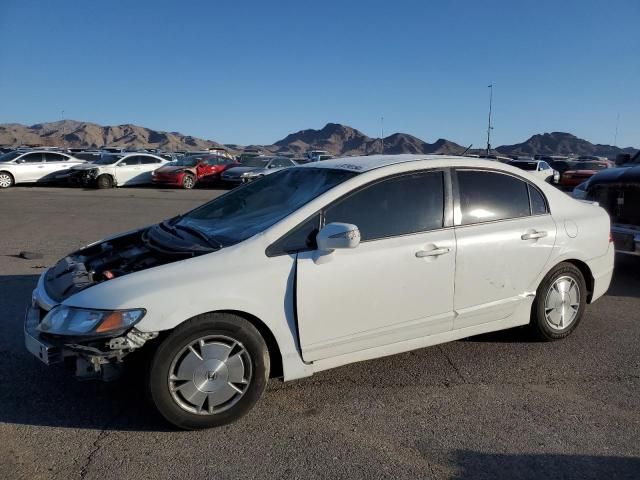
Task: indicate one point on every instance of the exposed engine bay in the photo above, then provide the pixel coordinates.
(147, 248)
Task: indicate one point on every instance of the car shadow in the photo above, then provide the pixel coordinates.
(34, 394)
(478, 465)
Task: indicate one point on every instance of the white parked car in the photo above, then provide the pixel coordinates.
(319, 266)
(33, 166)
(117, 170)
(538, 168)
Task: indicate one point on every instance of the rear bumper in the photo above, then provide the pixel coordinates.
(626, 239)
(602, 271)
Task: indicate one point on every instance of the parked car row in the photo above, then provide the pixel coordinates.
(118, 169)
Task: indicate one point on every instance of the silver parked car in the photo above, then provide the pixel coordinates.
(34, 166)
(256, 167)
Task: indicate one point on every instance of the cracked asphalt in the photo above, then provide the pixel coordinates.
(494, 406)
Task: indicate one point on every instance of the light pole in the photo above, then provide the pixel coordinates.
(64, 131)
(489, 127)
(382, 133)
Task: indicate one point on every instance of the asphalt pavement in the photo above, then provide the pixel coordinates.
(493, 406)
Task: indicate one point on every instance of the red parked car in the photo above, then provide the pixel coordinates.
(580, 172)
(190, 170)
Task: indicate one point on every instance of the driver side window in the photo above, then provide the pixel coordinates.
(400, 205)
(32, 158)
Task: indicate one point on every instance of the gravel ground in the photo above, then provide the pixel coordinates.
(494, 406)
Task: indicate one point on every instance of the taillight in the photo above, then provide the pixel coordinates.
(610, 237)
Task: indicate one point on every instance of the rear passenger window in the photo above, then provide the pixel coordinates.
(538, 204)
(397, 206)
(149, 160)
(489, 196)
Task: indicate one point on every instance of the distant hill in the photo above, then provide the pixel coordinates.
(74, 134)
(561, 143)
(343, 140)
(335, 138)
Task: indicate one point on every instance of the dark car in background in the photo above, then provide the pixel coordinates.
(581, 171)
(254, 168)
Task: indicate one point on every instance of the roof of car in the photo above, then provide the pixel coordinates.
(372, 162)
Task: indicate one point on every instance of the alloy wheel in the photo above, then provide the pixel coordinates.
(5, 180)
(210, 375)
(562, 303)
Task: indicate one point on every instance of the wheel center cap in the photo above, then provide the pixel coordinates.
(210, 376)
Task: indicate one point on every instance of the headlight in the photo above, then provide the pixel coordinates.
(249, 174)
(64, 320)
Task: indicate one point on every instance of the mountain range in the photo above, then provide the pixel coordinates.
(335, 138)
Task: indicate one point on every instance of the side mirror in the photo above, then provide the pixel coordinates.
(337, 235)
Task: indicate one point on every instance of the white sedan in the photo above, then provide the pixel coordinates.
(117, 170)
(319, 266)
(34, 166)
(538, 168)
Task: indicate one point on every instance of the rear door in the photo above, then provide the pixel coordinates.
(148, 164)
(396, 285)
(505, 235)
(54, 164)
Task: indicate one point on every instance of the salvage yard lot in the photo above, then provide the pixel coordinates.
(492, 406)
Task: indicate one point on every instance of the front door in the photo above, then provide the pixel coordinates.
(396, 285)
(128, 169)
(31, 168)
(505, 236)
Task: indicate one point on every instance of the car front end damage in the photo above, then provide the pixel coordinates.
(93, 341)
(90, 354)
(86, 177)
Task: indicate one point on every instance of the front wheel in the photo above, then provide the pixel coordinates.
(210, 371)
(560, 302)
(188, 181)
(6, 180)
(104, 181)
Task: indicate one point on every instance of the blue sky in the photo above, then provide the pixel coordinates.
(252, 72)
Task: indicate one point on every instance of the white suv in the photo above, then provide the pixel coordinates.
(319, 266)
(33, 166)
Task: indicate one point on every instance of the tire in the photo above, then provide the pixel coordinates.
(6, 180)
(559, 304)
(104, 181)
(188, 181)
(219, 367)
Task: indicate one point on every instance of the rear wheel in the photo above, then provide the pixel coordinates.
(6, 180)
(188, 181)
(210, 371)
(104, 181)
(560, 302)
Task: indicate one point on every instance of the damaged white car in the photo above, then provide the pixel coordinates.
(319, 266)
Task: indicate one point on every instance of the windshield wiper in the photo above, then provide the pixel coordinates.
(194, 231)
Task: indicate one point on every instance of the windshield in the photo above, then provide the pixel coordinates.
(589, 166)
(7, 157)
(107, 159)
(255, 162)
(190, 161)
(256, 206)
(529, 166)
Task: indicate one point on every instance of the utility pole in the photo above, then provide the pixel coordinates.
(489, 127)
(382, 133)
(64, 131)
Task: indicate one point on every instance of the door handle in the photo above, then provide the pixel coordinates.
(40, 166)
(533, 235)
(436, 252)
